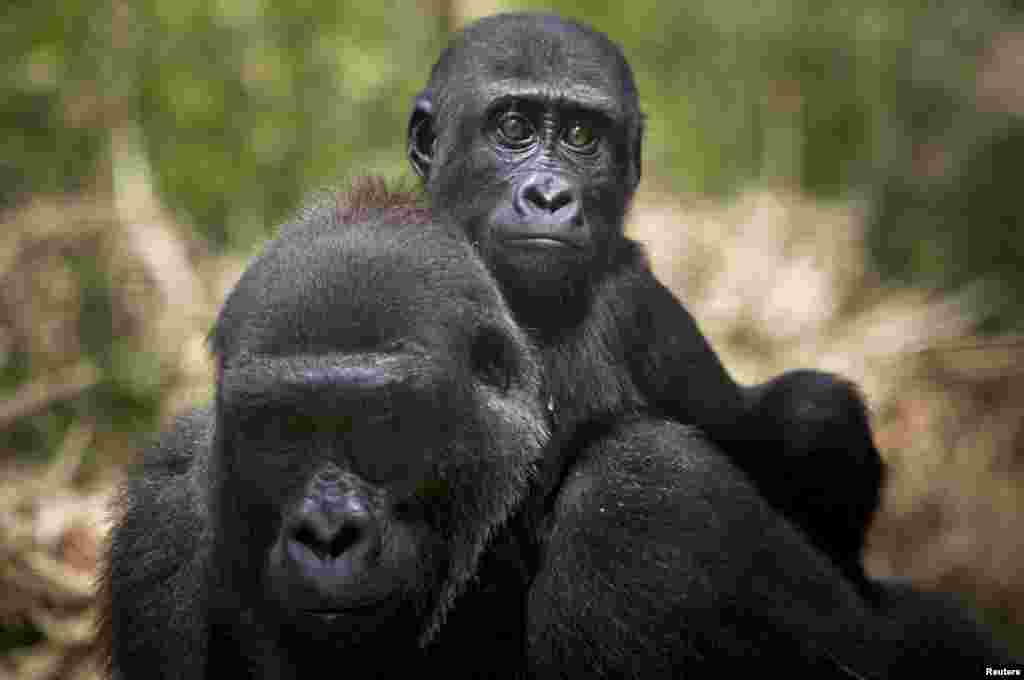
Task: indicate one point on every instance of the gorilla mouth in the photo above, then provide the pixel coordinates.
(355, 609)
(329, 610)
(327, 615)
(540, 241)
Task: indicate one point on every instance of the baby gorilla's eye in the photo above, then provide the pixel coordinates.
(580, 136)
(515, 130)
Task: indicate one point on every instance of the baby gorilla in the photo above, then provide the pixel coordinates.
(529, 137)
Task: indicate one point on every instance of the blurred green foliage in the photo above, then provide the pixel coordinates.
(48, 58)
(242, 107)
(245, 105)
(945, 209)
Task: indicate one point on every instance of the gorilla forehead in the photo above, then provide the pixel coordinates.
(539, 54)
(356, 287)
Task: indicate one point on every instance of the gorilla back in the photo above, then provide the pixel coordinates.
(376, 421)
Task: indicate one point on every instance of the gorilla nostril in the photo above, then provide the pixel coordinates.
(535, 197)
(559, 201)
(304, 535)
(347, 537)
(550, 198)
(328, 545)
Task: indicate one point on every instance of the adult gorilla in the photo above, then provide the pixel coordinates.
(377, 420)
(529, 137)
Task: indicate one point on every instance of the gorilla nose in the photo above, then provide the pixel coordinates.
(327, 544)
(329, 529)
(547, 194)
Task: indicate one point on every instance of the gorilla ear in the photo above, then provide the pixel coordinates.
(421, 134)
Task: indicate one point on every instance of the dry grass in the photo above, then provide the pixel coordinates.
(53, 521)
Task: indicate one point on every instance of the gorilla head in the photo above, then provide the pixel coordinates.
(528, 136)
(377, 420)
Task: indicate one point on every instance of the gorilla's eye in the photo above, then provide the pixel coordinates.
(515, 130)
(580, 136)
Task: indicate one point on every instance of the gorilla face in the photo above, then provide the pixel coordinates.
(528, 136)
(378, 418)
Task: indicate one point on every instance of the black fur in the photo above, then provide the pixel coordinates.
(547, 217)
(663, 561)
